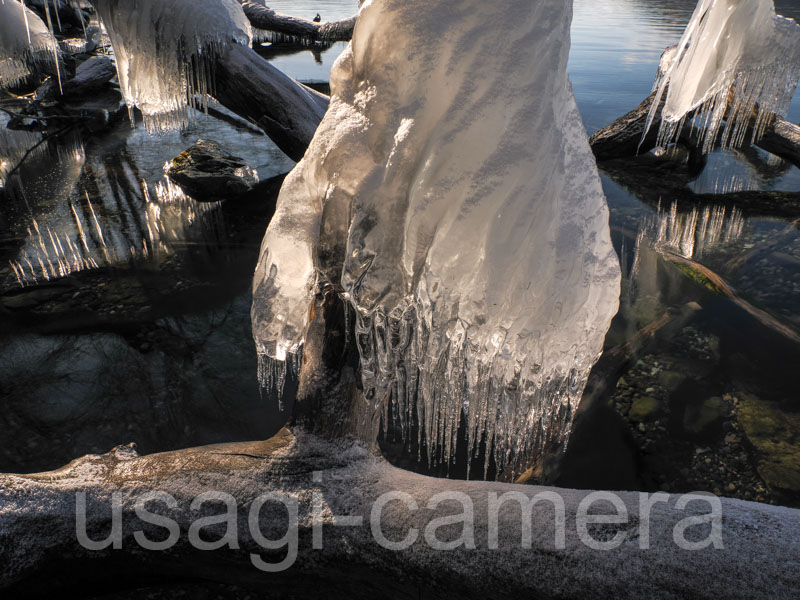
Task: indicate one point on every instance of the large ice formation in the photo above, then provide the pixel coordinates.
(451, 192)
(26, 44)
(737, 62)
(165, 50)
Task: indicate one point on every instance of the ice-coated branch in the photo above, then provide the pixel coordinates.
(48, 519)
(26, 45)
(165, 52)
(626, 137)
(735, 67)
(287, 27)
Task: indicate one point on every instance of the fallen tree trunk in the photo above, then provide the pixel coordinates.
(40, 552)
(264, 18)
(286, 110)
(624, 137)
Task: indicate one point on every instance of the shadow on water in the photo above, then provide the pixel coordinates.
(125, 304)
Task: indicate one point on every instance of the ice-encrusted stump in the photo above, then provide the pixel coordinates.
(451, 197)
(40, 552)
(165, 52)
(736, 66)
(26, 45)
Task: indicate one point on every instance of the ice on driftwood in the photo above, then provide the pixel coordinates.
(451, 192)
(165, 50)
(736, 65)
(26, 44)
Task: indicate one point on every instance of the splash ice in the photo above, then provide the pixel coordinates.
(26, 44)
(450, 193)
(736, 65)
(165, 50)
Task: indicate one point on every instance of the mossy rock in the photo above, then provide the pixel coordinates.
(644, 408)
(671, 380)
(208, 173)
(775, 434)
(700, 417)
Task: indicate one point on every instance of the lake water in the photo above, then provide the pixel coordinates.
(143, 334)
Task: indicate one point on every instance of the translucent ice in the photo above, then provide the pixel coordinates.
(165, 49)
(451, 195)
(737, 62)
(26, 45)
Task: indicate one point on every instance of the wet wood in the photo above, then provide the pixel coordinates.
(286, 110)
(263, 17)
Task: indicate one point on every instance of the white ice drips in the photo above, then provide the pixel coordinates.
(452, 188)
(165, 50)
(736, 65)
(26, 44)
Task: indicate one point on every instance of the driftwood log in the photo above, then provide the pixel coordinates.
(288, 112)
(40, 551)
(264, 18)
(626, 137)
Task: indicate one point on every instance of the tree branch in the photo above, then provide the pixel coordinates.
(263, 17)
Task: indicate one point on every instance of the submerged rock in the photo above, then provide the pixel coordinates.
(774, 434)
(208, 173)
(644, 408)
(671, 380)
(699, 417)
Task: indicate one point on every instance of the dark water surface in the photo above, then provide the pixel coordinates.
(124, 313)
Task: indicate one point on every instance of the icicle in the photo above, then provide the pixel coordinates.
(736, 65)
(165, 50)
(479, 266)
(26, 44)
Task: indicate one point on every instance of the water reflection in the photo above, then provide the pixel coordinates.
(690, 234)
(110, 203)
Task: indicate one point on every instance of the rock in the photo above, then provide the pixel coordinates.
(207, 173)
(774, 434)
(644, 408)
(671, 380)
(698, 418)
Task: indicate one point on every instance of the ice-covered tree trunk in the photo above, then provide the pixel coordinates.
(736, 66)
(26, 44)
(450, 197)
(165, 52)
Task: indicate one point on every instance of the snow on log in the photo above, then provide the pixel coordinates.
(626, 136)
(302, 517)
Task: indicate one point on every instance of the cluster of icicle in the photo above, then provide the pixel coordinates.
(736, 65)
(451, 195)
(165, 51)
(26, 44)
